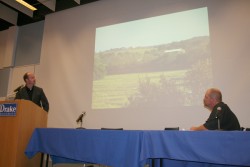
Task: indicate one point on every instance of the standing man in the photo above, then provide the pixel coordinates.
(32, 92)
(219, 111)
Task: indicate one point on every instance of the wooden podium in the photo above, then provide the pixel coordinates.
(15, 132)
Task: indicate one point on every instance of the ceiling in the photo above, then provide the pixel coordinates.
(43, 8)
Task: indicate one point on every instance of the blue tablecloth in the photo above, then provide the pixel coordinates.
(109, 147)
(197, 148)
(131, 148)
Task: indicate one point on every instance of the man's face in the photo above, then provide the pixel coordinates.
(31, 80)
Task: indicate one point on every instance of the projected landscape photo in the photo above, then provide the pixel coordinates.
(164, 60)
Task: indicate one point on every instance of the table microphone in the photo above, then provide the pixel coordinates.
(79, 119)
(218, 117)
(18, 88)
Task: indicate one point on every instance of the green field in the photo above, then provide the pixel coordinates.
(113, 91)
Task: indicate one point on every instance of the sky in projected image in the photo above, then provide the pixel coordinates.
(163, 60)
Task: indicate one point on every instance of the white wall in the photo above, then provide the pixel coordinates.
(16, 78)
(230, 37)
(66, 65)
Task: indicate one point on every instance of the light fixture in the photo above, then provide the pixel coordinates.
(26, 5)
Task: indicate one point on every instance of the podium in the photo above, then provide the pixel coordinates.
(16, 129)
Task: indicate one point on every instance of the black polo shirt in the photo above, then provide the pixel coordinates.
(228, 120)
(30, 92)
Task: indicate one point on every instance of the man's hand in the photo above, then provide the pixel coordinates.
(202, 127)
(193, 128)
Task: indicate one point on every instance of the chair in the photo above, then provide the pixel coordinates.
(42, 159)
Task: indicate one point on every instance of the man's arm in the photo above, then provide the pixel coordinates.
(201, 127)
(44, 100)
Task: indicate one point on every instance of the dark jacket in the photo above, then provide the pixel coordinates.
(228, 120)
(38, 97)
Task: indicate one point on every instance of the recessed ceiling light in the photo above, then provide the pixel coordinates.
(26, 5)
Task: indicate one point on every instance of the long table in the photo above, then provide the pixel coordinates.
(135, 148)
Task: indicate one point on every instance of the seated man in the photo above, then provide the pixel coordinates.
(219, 110)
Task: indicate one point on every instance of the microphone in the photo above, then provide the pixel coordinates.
(18, 88)
(79, 119)
(217, 112)
(218, 116)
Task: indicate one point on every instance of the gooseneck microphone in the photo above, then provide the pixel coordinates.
(18, 88)
(79, 119)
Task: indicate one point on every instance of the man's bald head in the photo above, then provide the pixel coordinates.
(26, 75)
(212, 97)
(30, 79)
(215, 94)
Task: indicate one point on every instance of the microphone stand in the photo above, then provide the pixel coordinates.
(80, 127)
(218, 119)
(79, 119)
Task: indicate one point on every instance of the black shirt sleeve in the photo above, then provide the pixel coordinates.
(44, 100)
(212, 122)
